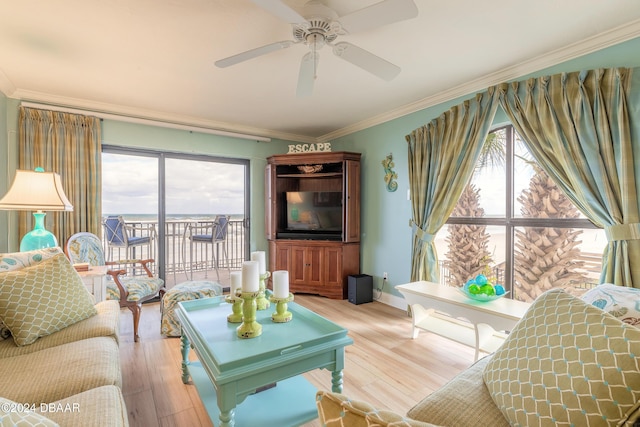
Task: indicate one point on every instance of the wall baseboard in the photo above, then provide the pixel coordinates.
(393, 301)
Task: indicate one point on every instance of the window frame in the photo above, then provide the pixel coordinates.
(509, 222)
(162, 156)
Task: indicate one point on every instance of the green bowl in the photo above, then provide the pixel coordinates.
(481, 297)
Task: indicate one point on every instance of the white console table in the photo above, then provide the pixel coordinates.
(96, 281)
(437, 308)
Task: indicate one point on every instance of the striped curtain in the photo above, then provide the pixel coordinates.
(583, 128)
(442, 158)
(70, 145)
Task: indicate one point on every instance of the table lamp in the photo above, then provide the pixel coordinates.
(36, 190)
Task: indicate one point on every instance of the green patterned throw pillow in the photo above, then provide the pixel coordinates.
(39, 300)
(4, 331)
(567, 363)
(21, 414)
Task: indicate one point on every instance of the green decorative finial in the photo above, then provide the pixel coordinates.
(39, 169)
(390, 176)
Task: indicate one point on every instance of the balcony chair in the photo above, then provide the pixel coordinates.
(212, 234)
(131, 292)
(120, 235)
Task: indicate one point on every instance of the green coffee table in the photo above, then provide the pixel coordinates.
(230, 369)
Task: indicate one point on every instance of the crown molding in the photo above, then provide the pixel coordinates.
(6, 86)
(593, 44)
(600, 41)
(151, 117)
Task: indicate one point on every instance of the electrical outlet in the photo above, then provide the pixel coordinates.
(385, 276)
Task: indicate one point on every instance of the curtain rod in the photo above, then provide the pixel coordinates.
(142, 121)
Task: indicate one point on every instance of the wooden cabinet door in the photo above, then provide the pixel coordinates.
(315, 265)
(283, 257)
(306, 268)
(333, 267)
(298, 266)
(352, 202)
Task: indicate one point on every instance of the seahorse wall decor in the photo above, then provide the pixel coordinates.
(389, 175)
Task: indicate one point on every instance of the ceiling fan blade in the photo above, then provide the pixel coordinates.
(366, 60)
(281, 10)
(307, 75)
(376, 15)
(253, 53)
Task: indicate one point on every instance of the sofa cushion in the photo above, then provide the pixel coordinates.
(466, 390)
(44, 298)
(17, 414)
(336, 410)
(59, 372)
(618, 301)
(18, 260)
(98, 407)
(567, 362)
(104, 324)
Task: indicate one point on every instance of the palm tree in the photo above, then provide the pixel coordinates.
(468, 253)
(546, 257)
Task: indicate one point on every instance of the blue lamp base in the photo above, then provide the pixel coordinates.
(39, 237)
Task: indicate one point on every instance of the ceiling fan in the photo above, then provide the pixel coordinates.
(318, 25)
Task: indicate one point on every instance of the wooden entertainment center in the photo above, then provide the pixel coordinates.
(312, 220)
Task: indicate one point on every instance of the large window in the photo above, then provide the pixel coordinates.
(178, 195)
(514, 223)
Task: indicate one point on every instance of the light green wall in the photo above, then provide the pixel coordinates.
(8, 147)
(4, 173)
(386, 235)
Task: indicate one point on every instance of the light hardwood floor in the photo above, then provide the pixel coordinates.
(384, 366)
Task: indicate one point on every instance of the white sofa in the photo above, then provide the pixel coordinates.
(569, 361)
(70, 374)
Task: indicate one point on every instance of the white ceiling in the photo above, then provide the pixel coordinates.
(155, 58)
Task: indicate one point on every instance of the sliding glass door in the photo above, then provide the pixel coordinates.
(205, 211)
(197, 204)
(130, 191)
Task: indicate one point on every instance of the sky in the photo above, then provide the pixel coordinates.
(130, 186)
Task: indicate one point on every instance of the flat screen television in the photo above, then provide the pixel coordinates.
(313, 215)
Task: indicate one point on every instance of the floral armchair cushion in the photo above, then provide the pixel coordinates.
(87, 247)
(138, 287)
(619, 301)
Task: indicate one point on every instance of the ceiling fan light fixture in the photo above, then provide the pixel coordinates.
(315, 41)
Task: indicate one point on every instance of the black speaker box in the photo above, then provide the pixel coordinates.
(360, 289)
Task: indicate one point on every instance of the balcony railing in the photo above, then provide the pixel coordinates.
(591, 268)
(180, 259)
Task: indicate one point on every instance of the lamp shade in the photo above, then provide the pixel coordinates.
(32, 190)
(39, 191)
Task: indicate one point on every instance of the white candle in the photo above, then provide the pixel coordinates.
(259, 256)
(250, 276)
(281, 284)
(236, 281)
